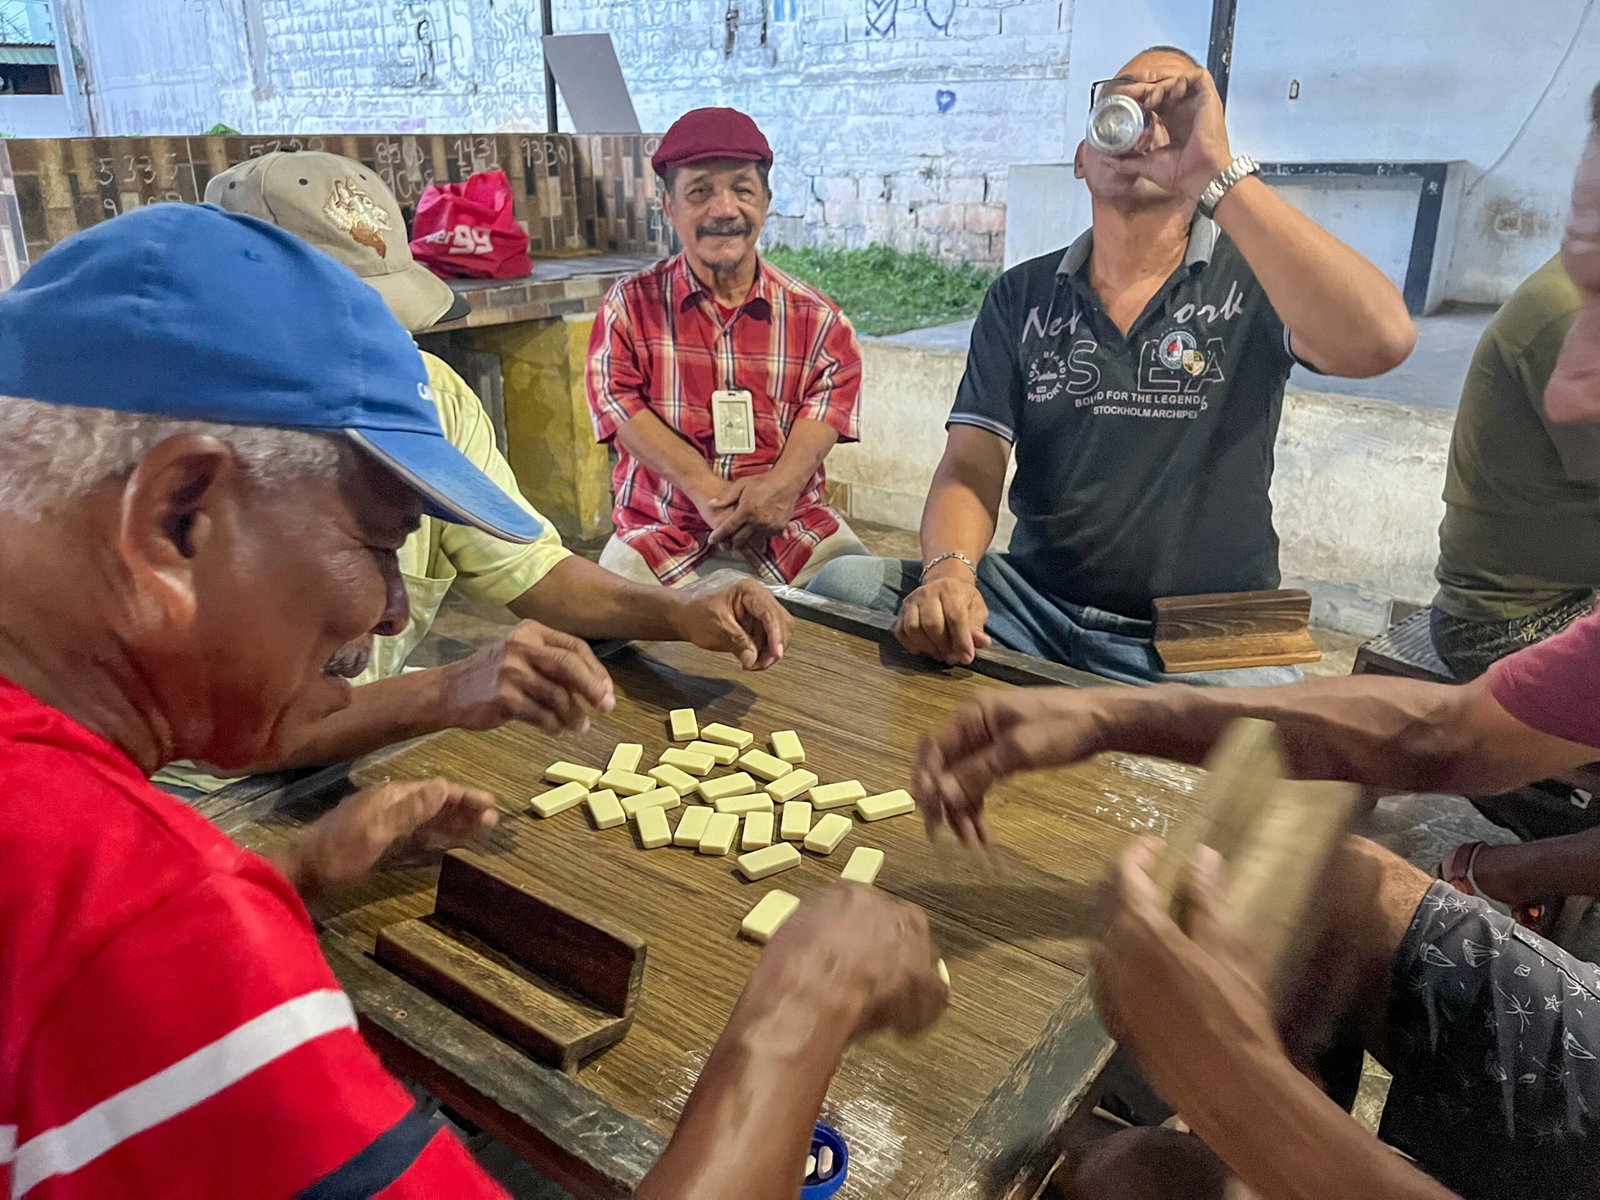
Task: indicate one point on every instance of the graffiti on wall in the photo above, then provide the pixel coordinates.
(883, 16)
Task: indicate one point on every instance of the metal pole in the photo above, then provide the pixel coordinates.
(1219, 51)
(547, 26)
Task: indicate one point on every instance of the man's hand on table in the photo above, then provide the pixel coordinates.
(534, 674)
(872, 953)
(752, 510)
(743, 619)
(1021, 729)
(849, 963)
(1185, 1001)
(944, 617)
(424, 816)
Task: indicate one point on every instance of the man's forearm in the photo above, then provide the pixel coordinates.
(1286, 1140)
(1531, 872)
(588, 601)
(957, 516)
(803, 453)
(746, 1128)
(1384, 732)
(379, 714)
(666, 452)
(1346, 317)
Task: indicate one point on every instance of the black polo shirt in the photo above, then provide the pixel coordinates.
(1143, 462)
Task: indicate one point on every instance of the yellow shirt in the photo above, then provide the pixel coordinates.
(439, 555)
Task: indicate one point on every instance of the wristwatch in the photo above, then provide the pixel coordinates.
(1229, 175)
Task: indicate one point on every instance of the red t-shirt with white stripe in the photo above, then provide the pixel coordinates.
(168, 1026)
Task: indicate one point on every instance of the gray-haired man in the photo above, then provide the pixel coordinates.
(213, 441)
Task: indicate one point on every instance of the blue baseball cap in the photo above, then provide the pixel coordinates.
(189, 312)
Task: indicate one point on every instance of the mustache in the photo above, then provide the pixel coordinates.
(730, 228)
(349, 661)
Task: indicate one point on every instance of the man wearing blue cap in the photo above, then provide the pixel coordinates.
(541, 671)
(207, 430)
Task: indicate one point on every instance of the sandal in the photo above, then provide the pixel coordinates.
(1456, 870)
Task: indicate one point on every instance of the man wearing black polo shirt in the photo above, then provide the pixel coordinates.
(1139, 375)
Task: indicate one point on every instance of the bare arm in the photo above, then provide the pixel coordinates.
(1376, 730)
(1534, 872)
(537, 675)
(1384, 732)
(1187, 1004)
(585, 599)
(944, 617)
(847, 964)
(1343, 314)
(963, 503)
(579, 597)
(653, 442)
(379, 714)
(1290, 1141)
(746, 1129)
(804, 452)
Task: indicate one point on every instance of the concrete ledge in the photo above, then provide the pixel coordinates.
(1356, 490)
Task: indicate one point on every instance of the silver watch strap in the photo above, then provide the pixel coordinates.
(1241, 166)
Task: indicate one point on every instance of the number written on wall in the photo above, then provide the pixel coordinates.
(272, 145)
(477, 153)
(402, 166)
(540, 152)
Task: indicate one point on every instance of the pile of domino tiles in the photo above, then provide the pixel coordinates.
(739, 807)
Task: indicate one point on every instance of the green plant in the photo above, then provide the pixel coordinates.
(884, 291)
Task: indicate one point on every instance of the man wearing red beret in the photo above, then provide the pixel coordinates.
(723, 381)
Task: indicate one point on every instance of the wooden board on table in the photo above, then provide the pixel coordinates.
(1016, 939)
(1225, 630)
(474, 978)
(545, 933)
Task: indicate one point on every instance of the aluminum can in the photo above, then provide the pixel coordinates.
(1116, 125)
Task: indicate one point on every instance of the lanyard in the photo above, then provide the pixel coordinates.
(726, 359)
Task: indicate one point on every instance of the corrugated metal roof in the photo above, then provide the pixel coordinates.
(28, 56)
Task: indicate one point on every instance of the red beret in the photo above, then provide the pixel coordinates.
(703, 133)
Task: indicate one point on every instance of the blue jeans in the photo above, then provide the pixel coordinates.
(1023, 619)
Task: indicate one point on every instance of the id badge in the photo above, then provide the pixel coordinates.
(733, 418)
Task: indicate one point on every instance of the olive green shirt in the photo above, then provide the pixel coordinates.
(1521, 526)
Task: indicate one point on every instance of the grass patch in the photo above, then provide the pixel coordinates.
(883, 291)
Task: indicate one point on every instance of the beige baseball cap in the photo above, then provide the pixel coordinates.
(342, 208)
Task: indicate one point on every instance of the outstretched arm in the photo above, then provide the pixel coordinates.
(851, 963)
(580, 597)
(1376, 730)
(1344, 316)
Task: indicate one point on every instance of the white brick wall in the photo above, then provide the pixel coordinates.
(892, 120)
(920, 106)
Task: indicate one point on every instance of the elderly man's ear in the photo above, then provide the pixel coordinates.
(178, 504)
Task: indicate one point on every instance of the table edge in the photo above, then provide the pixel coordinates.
(995, 662)
(586, 1144)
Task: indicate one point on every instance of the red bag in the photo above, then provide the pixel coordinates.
(468, 230)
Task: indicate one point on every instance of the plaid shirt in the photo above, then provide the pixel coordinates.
(661, 343)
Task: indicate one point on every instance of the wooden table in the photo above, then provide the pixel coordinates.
(975, 1109)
